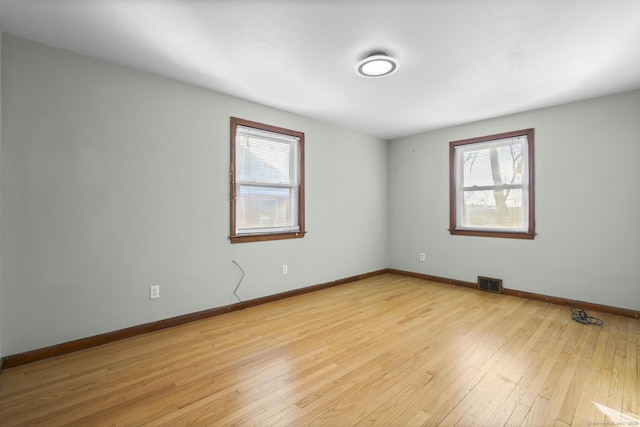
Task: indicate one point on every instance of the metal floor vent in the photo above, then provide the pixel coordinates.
(490, 284)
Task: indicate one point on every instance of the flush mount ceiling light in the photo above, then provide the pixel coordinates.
(377, 65)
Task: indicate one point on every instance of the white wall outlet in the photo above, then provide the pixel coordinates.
(422, 256)
(154, 291)
(285, 269)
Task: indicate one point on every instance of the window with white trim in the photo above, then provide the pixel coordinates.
(491, 186)
(267, 182)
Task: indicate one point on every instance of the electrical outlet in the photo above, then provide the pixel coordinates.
(422, 256)
(285, 269)
(154, 292)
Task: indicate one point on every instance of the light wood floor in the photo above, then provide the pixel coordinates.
(389, 350)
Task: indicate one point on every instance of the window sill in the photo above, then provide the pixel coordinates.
(504, 235)
(266, 237)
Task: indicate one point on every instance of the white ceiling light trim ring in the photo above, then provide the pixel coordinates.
(377, 65)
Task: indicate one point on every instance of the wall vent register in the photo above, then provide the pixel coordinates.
(490, 284)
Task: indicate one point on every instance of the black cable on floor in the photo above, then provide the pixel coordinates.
(579, 315)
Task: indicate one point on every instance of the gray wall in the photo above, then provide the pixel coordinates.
(587, 205)
(113, 180)
(2, 299)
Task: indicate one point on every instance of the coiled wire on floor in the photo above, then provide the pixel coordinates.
(579, 315)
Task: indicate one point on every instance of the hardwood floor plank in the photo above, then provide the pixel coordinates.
(518, 415)
(631, 398)
(586, 412)
(573, 394)
(386, 350)
(557, 390)
(535, 416)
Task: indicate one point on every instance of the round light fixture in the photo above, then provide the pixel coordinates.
(377, 65)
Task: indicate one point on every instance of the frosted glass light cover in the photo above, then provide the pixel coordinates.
(377, 65)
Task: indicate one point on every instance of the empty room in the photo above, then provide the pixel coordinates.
(340, 213)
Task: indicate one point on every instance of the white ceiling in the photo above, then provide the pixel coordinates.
(460, 60)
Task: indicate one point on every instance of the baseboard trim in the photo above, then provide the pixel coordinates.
(574, 303)
(108, 337)
(433, 278)
(529, 295)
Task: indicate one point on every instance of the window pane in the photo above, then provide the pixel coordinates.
(493, 164)
(265, 208)
(489, 209)
(265, 161)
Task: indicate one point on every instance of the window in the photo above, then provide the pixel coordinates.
(267, 182)
(491, 186)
